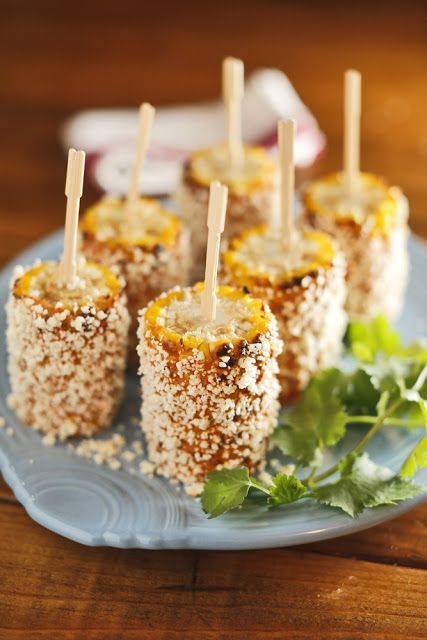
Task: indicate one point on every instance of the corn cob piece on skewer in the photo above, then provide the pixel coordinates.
(209, 389)
(304, 288)
(372, 231)
(149, 245)
(67, 349)
(252, 194)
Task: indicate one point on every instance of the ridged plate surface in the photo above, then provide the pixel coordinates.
(95, 505)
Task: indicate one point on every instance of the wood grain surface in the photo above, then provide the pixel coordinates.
(58, 57)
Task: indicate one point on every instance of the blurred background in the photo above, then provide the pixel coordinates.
(58, 57)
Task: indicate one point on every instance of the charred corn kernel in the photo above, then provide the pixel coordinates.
(252, 194)
(66, 348)
(149, 247)
(209, 390)
(305, 289)
(372, 231)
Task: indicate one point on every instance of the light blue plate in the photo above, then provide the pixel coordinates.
(97, 506)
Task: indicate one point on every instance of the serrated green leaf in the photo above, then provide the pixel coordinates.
(285, 489)
(368, 339)
(359, 395)
(301, 446)
(225, 490)
(317, 420)
(364, 484)
(342, 494)
(319, 412)
(417, 459)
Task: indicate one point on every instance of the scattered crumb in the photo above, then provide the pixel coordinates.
(2, 422)
(288, 469)
(102, 451)
(129, 456)
(48, 440)
(265, 477)
(10, 431)
(137, 446)
(146, 467)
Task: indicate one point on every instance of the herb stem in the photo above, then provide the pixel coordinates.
(398, 422)
(259, 486)
(309, 480)
(364, 441)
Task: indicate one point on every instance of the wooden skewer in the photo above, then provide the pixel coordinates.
(233, 84)
(73, 191)
(352, 101)
(216, 219)
(146, 115)
(286, 136)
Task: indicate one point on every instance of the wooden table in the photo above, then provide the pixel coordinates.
(56, 58)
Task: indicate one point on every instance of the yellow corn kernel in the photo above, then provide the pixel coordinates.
(164, 234)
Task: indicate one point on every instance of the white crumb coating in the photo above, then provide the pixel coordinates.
(152, 257)
(66, 361)
(250, 202)
(307, 298)
(210, 405)
(374, 241)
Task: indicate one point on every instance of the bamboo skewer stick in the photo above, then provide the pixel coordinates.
(216, 219)
(352, 102)
(286, 137)
(73, 191)
(146, 115)
(233, 84)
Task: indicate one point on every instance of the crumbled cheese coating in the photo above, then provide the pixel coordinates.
(376, 255)
(206, 413)
(244, 210)
(308, 304)
(66, 366)
(148, 267)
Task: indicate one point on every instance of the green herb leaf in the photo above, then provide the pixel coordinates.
(368, 339)
(417, 459)
(364, 484)
(285, 489)
(317, 420)
(224, 490)
(359, 395)
(299, 445)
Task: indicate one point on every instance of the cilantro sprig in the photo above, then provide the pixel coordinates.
(388, 388)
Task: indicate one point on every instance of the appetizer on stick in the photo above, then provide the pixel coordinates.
(300, 275)
(367, 217)
(67, 335)
(209, 372)
(248, 171)
(145, 241)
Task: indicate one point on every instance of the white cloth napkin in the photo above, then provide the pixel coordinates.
(108, 135)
